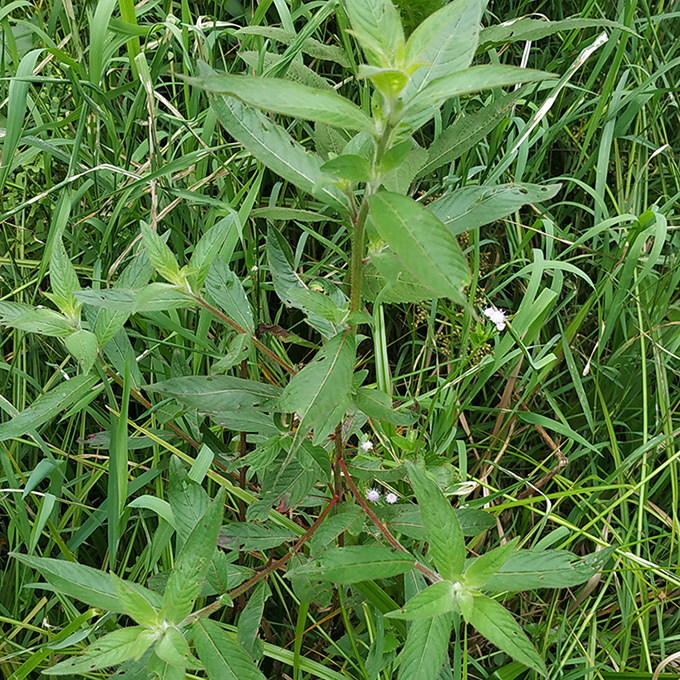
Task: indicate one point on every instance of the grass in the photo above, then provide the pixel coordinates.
(591, 276)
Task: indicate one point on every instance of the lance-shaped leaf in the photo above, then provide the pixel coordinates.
(227, 291)
(184, 584)
(356, 563)
(217, 393)
(291, 99)
(42, 321)
(425, 648)
(63, 276)
(322, 385)
(174, 649)
(162, 259)
(529, 569)
(438, 598)
(377, 23)
(496, 624)
(447, 545)
(221, 655)
(484, 567)
(444, 43)
(83, 345)
(274, 147)
(110, 650)
(84, 583)
(422, 243)
(419, 109)
(526, 28)
(465, 132)
(135, 603)
(208, 248)
(47, 406)
(473, 206)
(377, 404)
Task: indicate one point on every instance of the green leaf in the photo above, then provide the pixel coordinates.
(280, 257)
(221, 655)
(227, 291)
(158, 297)
(63, 276)
(208, 248)
(42, 321)
(136, 605)
(110, 650)
(162, 259)
(422, 243)
(350, 167)
(89, 585)
(438, 598)
(447, 545)
(158, 505)
(377, 404)
(385, 277)
(526, 28)
(114, 299)
(529, 569)
(83, 345)
(356, 563)
(313, 48)
(317, 303)
(323, 384)
(396, 155)
(184, 584)
(445, 42)
(47, 406)
(399, 179)
(12, 310)
(496, 624)
(408, 521)
(484, 567)
(248, 536)
(188, 499)
(421, 107)
(290, 98)
(289, 214)
(249, 621)
(174, 649)
(218, 393)
(474, 206)
(425, 648)
(274, 147)
(464, 133)
(163, 670)
(377, 23)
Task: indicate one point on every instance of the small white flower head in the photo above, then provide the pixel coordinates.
(366, 446)
(496, 316)
(391, 498)
(373, 495)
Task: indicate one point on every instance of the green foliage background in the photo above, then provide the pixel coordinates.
(565, 423)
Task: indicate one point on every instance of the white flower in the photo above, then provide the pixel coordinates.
(391, 498)
(373, 495)
(496, 316)
(366, 446)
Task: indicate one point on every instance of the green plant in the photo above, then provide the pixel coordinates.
(264, 299)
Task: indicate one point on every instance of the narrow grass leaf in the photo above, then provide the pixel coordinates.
(496, 624)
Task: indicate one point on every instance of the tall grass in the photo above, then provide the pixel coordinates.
(101, 132)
